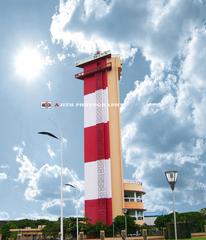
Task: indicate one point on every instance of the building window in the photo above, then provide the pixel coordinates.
(138, 215)
(132, 196)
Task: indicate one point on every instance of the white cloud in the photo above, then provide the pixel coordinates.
(4, 166)
(61, 56)
(200, 116)
(95, 8)
(38, 215)
(151, 26)
(51, 204)
(194, 69)
(43, 45)
(47, 58)
(27, 173)
(163, 117)
(51, 153)
(3, 176)
(49, 85)
(4, 215)
(26, 170)
(128, 132)
(65, 141)
(159, 134)
(43, 183)
(90, 42)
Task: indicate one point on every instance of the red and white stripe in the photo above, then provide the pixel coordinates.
(98, 193)
(96, 109)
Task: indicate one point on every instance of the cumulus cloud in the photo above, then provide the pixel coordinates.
(163, 117)
(55, 203)
(38, 215)
(49, 85)
(51, 153)
(52, 190)
(48, 59)
(3, 176)
(194, 69)
(61, 56)
(4, 166)
(27, 173)
(81, 15)
(148, 25)
(159, 135)
(4, 215)
(43, 183)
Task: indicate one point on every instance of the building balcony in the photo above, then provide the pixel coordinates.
(133, 186)
(90, 72)
(133, 192)
(134, 205)
(132, 199)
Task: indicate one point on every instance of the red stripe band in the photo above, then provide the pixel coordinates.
(99, 210)
(96, 142)
(96, 81)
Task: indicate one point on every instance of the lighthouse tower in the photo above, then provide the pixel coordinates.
(104, 187)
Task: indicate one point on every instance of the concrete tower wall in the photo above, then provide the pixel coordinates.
(106, 194)
(98, 190)
(115, 137)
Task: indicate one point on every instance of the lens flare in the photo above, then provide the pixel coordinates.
(29, 63)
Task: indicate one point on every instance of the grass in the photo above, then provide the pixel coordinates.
(198, 238)
(194, 238)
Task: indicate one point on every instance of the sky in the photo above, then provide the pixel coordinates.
(163, 96)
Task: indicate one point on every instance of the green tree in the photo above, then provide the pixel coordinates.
(119, 224)
(203, 211)
(93, 230)
(196, 220)
(70, 226)
(5, 231)
(161, 221)
(51, 230)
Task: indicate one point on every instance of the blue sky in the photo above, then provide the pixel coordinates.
(163, 96)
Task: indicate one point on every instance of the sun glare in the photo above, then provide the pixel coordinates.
(29, 63)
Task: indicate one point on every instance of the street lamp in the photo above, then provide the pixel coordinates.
(124, 211)
(113, 227)
(171, 177)
(77, 221)
(61, 183)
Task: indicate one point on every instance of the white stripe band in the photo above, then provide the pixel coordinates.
(98, 179)
(96, 108)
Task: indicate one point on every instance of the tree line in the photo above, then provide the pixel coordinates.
(196, 221)
(52, 228)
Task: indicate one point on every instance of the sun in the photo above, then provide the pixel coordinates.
(29, 63)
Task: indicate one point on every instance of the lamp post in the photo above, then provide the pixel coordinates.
(124, 210)
(113, 227)
(61, 181)
(171, 177)
(77, 221)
